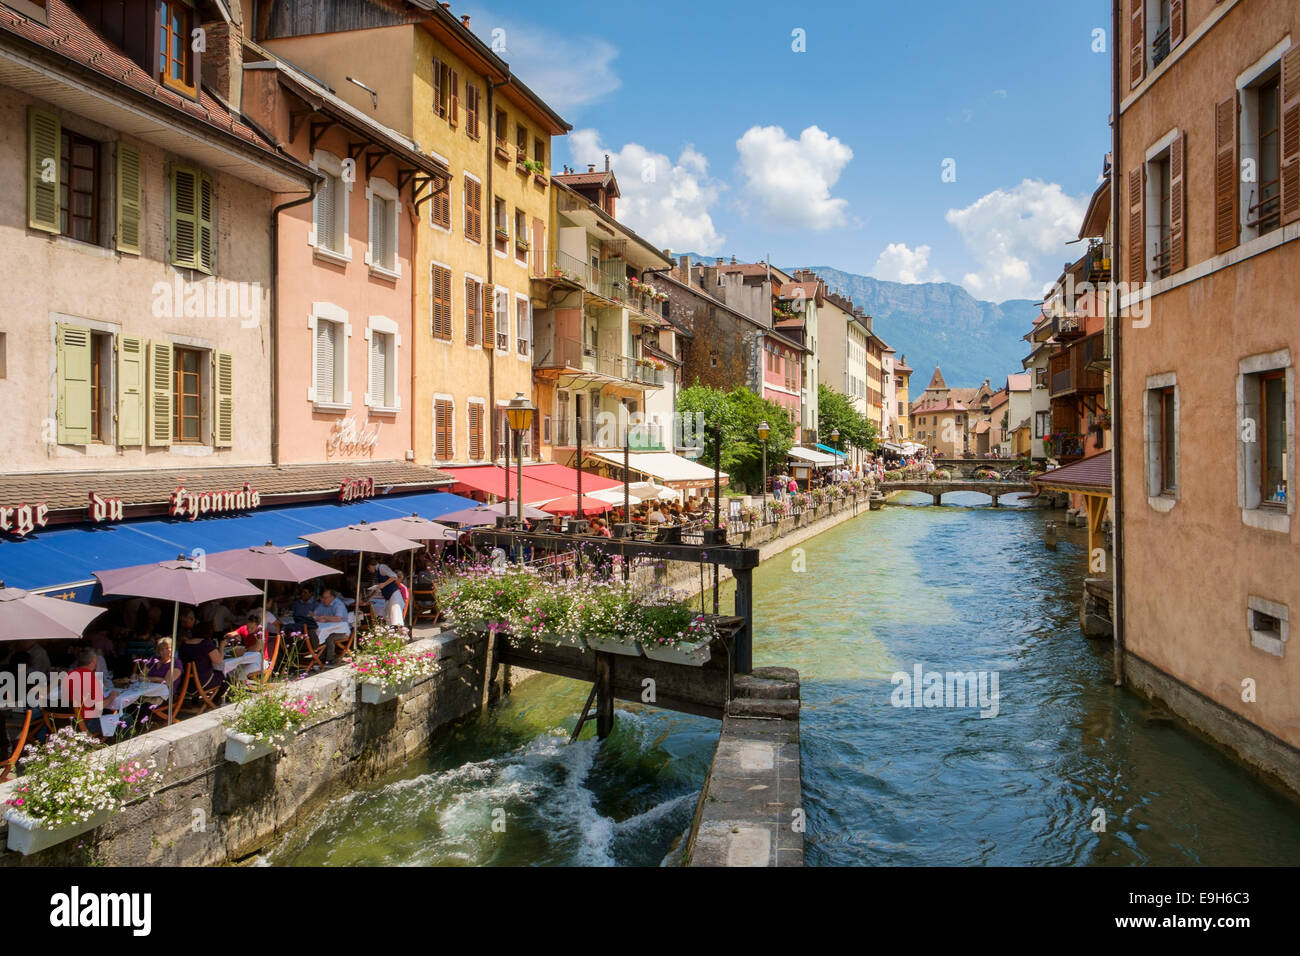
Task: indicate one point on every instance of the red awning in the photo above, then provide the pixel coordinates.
(491, 479)
(566, 477)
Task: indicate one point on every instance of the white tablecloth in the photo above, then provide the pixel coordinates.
(109, 721)
(252, 661)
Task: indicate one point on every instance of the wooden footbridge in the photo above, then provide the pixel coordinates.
(937, 489)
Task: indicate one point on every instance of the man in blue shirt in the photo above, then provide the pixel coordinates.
(331, 620)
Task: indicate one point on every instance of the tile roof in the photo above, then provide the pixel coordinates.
(70, 36)
(600, 178)
(1018, 383)
(936, 380)
(70, 490)
(1089, 474)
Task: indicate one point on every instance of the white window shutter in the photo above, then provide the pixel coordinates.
(324, 374)
(325, 230)
(371, 257)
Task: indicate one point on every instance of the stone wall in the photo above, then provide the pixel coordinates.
(212, 811)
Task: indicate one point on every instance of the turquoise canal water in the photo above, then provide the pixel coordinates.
(961, 587)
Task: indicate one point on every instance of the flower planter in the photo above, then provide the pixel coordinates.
(27, 836)
(372, 693)
(561, 640)
(693, 655)
(503, 153)
(539, 178)
(245, 748)
(613, 645)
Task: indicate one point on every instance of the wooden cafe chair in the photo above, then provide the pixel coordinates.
(9, 763)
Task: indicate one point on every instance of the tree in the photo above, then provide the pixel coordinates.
(738, 414)
(834, 410)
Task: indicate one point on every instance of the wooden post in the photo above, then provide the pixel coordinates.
(744, 609)
(487, 670)
(604, 694)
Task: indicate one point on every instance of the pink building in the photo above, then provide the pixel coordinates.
(343, 348)
(783, 375)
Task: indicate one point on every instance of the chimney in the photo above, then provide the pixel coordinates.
(464, 20)
(607, 162)
(223, 62)
(684, 269)
(591, 167)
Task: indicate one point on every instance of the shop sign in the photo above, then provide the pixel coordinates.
(188, 504)
(104, 509)
(354, 489)
(20, 520)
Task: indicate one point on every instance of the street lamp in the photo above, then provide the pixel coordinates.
(763, 432)
(519, 413)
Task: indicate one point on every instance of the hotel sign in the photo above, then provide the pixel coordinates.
(354, 489)
(188, 504)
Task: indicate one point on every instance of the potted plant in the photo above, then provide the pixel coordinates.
(384, 668)
(68, 789)
(503, 151)
(264, 723)
(544, 613)
(602, 616)
(670, 632)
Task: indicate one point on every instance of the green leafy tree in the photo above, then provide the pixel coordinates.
(834, 410)
(738, 414)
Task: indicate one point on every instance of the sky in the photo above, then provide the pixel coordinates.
(955, 141)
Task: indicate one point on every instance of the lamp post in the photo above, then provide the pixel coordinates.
(763, 432)
(519, 413)
(835, 437)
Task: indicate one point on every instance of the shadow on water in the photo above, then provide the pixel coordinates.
(961, 587)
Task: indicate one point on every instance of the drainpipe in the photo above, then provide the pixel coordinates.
(489, 246)
(275, 317)
(1116, 389)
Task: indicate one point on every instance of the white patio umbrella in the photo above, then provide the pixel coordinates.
(363, 539)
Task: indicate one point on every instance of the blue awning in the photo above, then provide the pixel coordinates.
(62, 561)
(831, 451)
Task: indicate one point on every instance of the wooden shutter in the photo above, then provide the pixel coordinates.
(1178, 204)
(1177, 22)
(206, 217)
(440, 295)
(131, 388)
(44, 150)
(223, 422)
(473, 210)
(437, 88)
(160, 393)
(1226, 195)
(489, 319)
(1291, 135)
(185, 218)
(475, 431)
(323, 376)
(454, 117)
(73, 347)
(441, 209)
(1137, 256)
(471, 311)
(1137, 40)
(128, 199)
(442, 434)
(471, 110)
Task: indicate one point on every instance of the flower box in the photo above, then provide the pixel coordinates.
(561, 639)
(373, 693)
(503, 152)
(691, 654)
(540, 178)
(27, 836)
(245, 748)
(613, 645)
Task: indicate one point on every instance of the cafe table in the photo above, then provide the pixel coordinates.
(122, 697)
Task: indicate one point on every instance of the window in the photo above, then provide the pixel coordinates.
(193, 220)
(473, 310)
(79, 174)
(502, 319)
(1265, 442)
(1261, 141)
(471, 110)
(1272, 438)
(521, 142)
(440, 204)
(500, 223)
(502, 126)
(1158, 30)
(440, 301)
(523, 327)
(382, 254)
(187, 406)
(175, 69)
(101, 403)
(444, 444)
(1158, 227)
(446, 92)
(1162, 437)
(477, 412)
(1040, 376)
(473, 209)
(539, 152)
(381, 391)
(330, 209)
(1268, 625)
(521, 235)
(1042, 424)
(329, 329)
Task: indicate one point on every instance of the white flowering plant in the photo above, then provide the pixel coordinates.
(545, 611)
(384, 660)
(666, 620)
(604, 609)
(64, 785)
(272, 717)
(483, 594)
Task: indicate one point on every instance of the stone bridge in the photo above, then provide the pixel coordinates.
(937, 489)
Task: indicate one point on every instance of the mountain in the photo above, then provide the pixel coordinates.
(937, 323)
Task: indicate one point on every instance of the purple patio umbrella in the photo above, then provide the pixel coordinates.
(181, 581)
(31, 617)
(506, 508)
(268, 563)
(364, 539)
(469, 517)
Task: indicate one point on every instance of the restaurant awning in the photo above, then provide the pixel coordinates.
(672, 470)
(832, 451)
(1089, 478)
(820, 459)
(61, 561)
(491, 480)
(566, 477)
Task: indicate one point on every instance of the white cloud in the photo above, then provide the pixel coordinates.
(568, 70)
(666, 202)
(898, 263)
(1017, 235)
(790, 180)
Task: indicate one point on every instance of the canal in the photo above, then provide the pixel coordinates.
(956, 588)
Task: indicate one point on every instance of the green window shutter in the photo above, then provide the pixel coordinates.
(223, 428)
(160, 393)
(131, 388)
(44, 141)
(185, 217)
(73, 346)
(128, 199)
(206, 215)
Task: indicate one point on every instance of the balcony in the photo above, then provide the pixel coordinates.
(1068, 372)
(1067, 328)
(645, 374)
(639, 438)
(1096, 263)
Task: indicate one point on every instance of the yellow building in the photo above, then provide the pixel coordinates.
(481, 236)
(903, 420)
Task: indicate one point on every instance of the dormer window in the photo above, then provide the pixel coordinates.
(175, 63)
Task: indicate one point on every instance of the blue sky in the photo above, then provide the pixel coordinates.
(728, 142)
